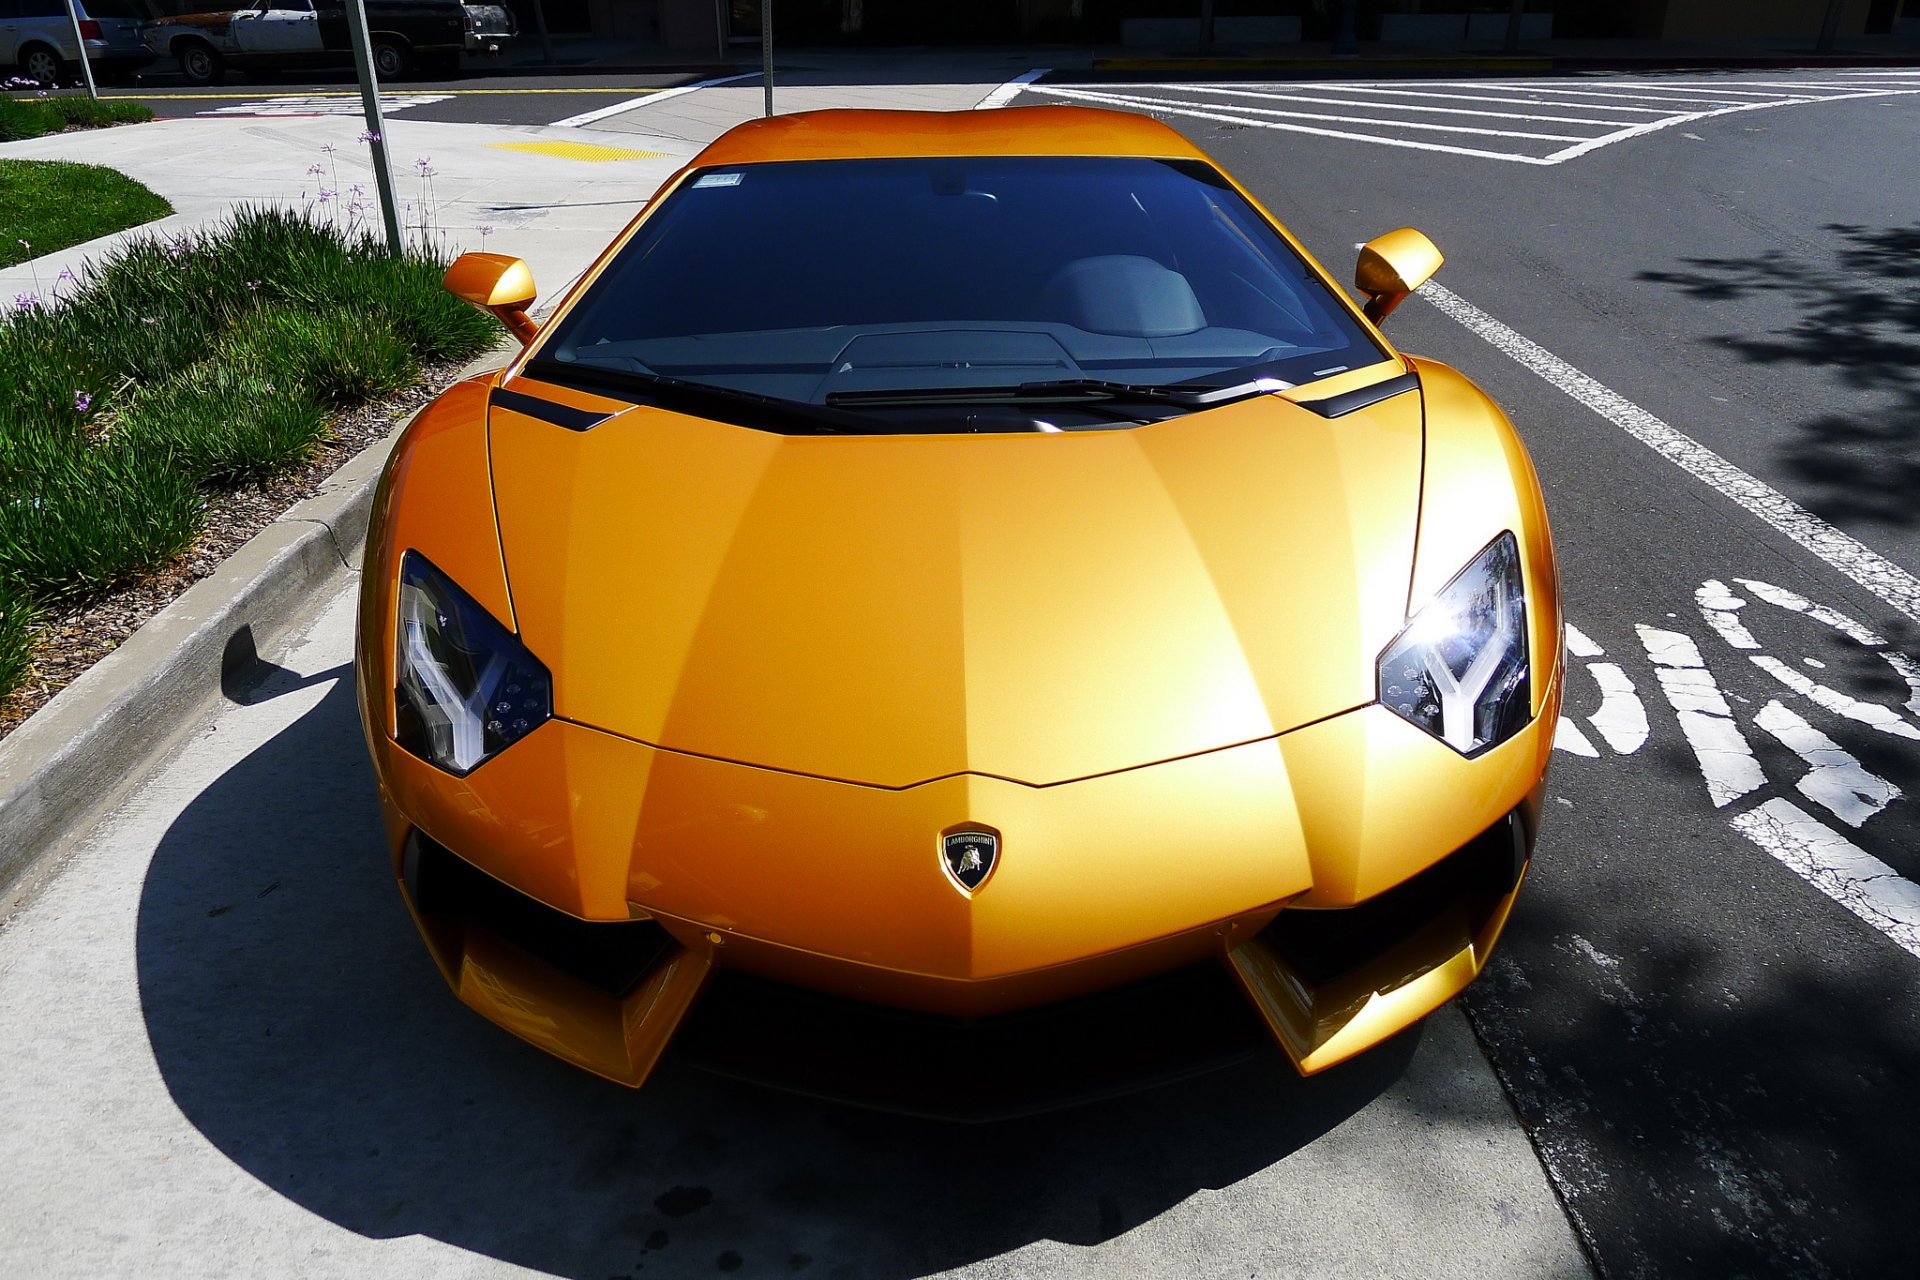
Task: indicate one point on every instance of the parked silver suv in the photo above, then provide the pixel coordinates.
(37, 37)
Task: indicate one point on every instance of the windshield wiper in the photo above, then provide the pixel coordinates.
(1064, 391)
(743, 408)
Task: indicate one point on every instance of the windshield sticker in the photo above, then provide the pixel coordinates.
(717, 180)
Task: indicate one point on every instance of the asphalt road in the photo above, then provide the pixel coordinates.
(1712, 1055)
(1703, 1018)
(461, 99)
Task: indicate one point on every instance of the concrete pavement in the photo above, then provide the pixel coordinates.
(534, 192)
(229, 1054)
(232, 1056)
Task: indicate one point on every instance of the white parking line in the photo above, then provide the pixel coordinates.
(1377, 113)
(1857, 561)
(629, 104)
(1398, 106)
(1010, 90)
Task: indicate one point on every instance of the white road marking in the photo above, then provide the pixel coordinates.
(1579, 645)
(1871, 714)
(1158, 106)
(325, 105)
(1726, 761)
(1837, 867)
(1720, 607)
(1793, 602)
(1903, 665)
(1538, 101)
(1374, 107)
(1837, 782)
(1857, 561)
(1161, 104)
(1568, 737)
(630, 104)
(1622, 717)
(1010, 90)
(1398, 106)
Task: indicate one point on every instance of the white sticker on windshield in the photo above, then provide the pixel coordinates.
(717, 180)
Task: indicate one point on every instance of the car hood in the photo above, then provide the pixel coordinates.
(889, 610)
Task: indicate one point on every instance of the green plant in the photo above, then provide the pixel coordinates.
(16, 651)
(47, 205)
(338, 356)
(180, 364)
(30, 117)
(93, 518)
(225, 423)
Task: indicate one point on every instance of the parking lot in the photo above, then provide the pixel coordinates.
(1694, 296)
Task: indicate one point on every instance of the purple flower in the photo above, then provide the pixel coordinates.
(66, 273)
(486, 231)
(25, 301)
(369, 136)
(328, 148)
(82, 402)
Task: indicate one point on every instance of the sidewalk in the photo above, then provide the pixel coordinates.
(544, 194)
(552, 195)
(551, 199)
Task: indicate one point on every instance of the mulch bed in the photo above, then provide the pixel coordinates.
(65, 645)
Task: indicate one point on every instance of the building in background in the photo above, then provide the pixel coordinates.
(696, 25)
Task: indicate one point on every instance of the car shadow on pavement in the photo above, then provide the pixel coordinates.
(299, 1025)
(1858, 323)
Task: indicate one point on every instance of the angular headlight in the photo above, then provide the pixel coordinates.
(467, 687)
(1459, 670)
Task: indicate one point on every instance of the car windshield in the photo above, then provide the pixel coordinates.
(875, 285)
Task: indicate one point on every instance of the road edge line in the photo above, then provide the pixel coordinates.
(644, 100)
(1838, 550)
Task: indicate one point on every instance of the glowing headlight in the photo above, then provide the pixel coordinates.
(467, 687)
(1459, 670)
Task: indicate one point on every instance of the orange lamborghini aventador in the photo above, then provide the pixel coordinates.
(962, 575)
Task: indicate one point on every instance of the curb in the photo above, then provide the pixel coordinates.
(94, 739)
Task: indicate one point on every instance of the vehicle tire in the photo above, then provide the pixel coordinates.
(38, 62)
(391, 58)
(200, 63)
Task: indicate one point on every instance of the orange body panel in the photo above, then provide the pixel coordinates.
(784, 665)
(1034, 607)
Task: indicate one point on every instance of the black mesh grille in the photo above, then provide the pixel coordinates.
(610, 955)
(1323, 946)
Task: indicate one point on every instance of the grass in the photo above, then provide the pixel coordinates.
(47, 205)
(175, 368)
(30, 117)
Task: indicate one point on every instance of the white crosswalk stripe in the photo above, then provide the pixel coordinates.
(1509, 120)
(330, 104)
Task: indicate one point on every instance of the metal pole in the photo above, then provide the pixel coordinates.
(1347, 40)
(376, 124)
(766, 50)
(540, 25)
(80, 43)
(1830, 26)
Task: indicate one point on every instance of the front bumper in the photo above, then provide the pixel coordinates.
(1352, 876)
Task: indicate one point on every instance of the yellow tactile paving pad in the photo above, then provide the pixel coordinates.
(579, 151)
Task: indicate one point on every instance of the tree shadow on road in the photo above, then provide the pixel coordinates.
(1859, 323)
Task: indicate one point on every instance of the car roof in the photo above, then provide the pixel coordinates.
(1015, 131)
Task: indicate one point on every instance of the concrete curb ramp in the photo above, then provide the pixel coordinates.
(81, 752)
